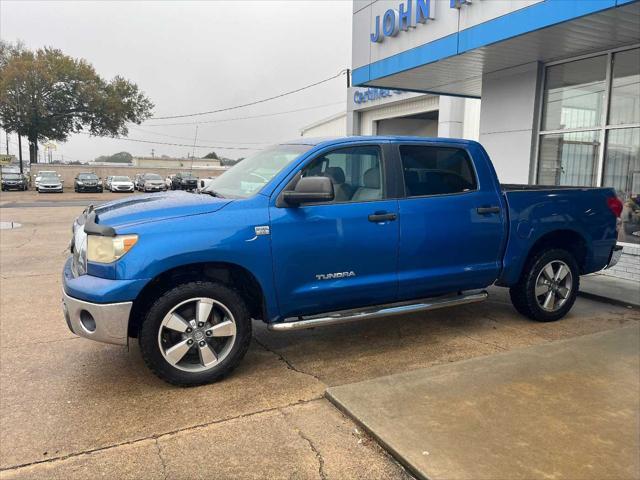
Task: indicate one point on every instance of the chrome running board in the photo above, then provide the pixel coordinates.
(347, 316)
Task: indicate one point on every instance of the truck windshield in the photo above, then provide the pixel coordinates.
(251, 174)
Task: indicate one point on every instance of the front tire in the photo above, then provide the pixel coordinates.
(548, 286)
(195, 333)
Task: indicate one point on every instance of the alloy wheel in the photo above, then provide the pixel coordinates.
(197, 334)
(553, 286)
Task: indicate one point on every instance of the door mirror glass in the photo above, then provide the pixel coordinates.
(310, 190)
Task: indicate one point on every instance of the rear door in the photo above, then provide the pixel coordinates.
(451, 225)
(341, 254)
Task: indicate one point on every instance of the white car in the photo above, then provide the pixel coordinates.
(121, 184)
(204, 183)
(44, 173)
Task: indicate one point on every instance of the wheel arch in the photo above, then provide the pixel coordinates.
(569, 240)
(230, 274)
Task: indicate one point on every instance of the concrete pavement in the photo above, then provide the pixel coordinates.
(607, 288)
(72, 408)
(568, 409)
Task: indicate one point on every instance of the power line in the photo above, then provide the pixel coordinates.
(256, 102)
(189, 138)
(191, 145)
(224, 120)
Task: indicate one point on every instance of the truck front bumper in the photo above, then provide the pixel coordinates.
(107, 321)
(102, 322)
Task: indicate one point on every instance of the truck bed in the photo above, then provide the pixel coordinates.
(536, 210)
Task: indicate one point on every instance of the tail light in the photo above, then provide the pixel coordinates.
(615, 205)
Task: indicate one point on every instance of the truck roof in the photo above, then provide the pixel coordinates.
(314, 141)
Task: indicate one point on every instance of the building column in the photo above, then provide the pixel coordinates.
(451, 117)
(508, 120)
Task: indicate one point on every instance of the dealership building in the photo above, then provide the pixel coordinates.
(551, 88)
(377, 111)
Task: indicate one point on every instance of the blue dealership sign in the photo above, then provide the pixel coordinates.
(371, 94)
(408, 14)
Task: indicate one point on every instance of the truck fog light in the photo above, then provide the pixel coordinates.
(87, 321)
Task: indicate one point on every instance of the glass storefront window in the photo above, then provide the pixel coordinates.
(569, 158)
(576, 147)
(625, 88)
(622, 172)
(574, 94)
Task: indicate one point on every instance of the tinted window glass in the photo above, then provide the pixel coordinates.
(355, 173)
(625, 88)
(574, 94)
(436, 170)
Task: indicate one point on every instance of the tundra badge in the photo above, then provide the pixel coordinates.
(332, 276)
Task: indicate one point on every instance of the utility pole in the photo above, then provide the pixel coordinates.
(7, 137)
(20, 153)
(195, 139)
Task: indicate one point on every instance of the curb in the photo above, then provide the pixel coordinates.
(609, 300)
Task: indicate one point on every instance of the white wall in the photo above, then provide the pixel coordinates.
(508, 118)
(471, 127)
(332, 127)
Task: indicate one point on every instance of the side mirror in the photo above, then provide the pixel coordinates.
(310, 190)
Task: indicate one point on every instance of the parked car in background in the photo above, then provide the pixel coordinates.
(121, 183)
(14, 181)
(204, 183)
(137, 181)
(184, 181)
(49, 182)
(169, 180)
(87, 182)
(107, 182)
(42, 173)
(316, 233)
(152, 182)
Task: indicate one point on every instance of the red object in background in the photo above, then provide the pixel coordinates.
(615, 205)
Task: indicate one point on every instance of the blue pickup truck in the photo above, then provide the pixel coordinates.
(319, 232)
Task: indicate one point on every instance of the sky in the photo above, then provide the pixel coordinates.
(199, 56)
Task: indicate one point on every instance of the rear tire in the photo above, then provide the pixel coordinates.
(214, 342)
(548, 286)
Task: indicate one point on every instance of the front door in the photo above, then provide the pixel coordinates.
(341, 254)
(451, 223)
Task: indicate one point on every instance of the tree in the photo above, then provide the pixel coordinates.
(120, 157)
(211, 155)
(47, 95)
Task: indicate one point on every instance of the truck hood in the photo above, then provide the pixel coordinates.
(159, 206)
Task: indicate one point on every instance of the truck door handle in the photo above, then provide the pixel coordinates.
(487, 210)
(382, 217)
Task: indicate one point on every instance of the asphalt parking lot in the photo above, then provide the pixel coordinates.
(72, 408)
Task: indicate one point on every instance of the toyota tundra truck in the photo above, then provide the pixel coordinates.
(320, 232)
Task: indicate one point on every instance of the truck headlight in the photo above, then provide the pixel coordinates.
(109, 249)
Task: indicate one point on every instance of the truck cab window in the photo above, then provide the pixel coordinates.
(355, 172)
(432, 170)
